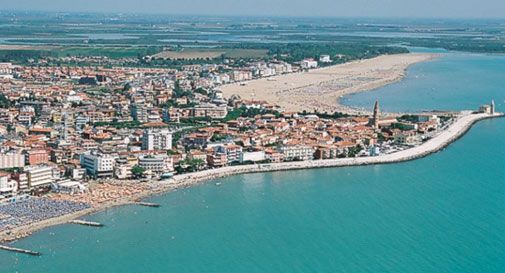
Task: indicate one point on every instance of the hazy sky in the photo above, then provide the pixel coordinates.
(362, 8)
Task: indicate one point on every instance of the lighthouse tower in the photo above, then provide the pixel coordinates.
(492, 107)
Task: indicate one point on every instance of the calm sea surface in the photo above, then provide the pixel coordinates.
(454, 81)
(443, 213)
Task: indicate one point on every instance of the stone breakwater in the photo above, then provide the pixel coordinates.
(463, 123)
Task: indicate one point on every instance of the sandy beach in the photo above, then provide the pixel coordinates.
(320, 89)
(463, 123)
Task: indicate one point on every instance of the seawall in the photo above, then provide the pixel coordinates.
(435, 144)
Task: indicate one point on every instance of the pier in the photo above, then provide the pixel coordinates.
(19, 250)
(86, 223)
(146, 204)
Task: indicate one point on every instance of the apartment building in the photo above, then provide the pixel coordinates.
(156, 163)
(12, 160)
(7, 186)
(157, 139)
(35, 157)
(39, 176)
(98, 166)
(297, 152)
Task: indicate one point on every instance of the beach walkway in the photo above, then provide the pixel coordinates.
(438, 142)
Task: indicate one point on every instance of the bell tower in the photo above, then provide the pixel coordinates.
(375, 118)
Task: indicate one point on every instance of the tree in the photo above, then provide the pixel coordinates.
(190, 165)
(138, 171)
(4, 101)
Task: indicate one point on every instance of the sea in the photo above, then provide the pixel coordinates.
(442, 213)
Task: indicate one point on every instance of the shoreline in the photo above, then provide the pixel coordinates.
(444, 138)
(321, 89)
(455, 131)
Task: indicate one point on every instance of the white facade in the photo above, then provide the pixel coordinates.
(123, 171)
(98, 165)
(157, 139)
(253, 156)
(12, 160)
(297, 152)
(325, 59)
(308, 63)
(157, 163)
(7, 186)
(39, 176)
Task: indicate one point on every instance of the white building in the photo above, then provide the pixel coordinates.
(407, 138)
(253, 156)
(26, 115)
(78, 173)
(80, 122)
(73, 98)
(70, 187)
(123, 171)
(157, 139)
(6, 70)
(308, 64)
(241, 75)
(156, 163)
(297, 152)
(7, 186)
(39, 176)
(98, 166)
(140, 112)
(325, 59)
(12, 160)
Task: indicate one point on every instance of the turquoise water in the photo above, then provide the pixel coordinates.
(455, 81)
(442, 213)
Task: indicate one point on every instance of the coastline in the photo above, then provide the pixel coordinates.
(456, 130)
(433, 145)
(321, 89)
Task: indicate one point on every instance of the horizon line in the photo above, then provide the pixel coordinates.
(271, 16)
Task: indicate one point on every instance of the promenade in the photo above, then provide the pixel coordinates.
(438, 142)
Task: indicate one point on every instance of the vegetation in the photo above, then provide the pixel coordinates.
(178, 92)
(190, 165)
(218, 137)
(326, 115)
(249, 113)
(340, 53)
(354, 151)
(4, 101)
(138, 171)
(408, 118)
